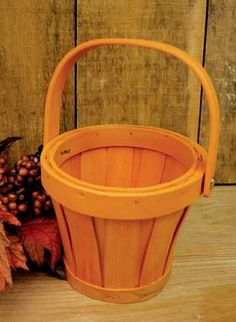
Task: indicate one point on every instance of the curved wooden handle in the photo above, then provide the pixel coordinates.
(56, 87)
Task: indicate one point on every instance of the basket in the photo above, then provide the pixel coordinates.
(121, 192)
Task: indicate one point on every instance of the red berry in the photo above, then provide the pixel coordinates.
(2, 161)
(23, 172)
(3, 208)
(33, 172)
(35, 194)
(37, 204)
(10, 179)
(12, 171)
(5, 200)
(24, 158)
(41, 198)
(37, 211)
(19, 178)
(22, 208)
(23, 163)
(48, 205)
(12, 197)
(12, 205)
(29, 165)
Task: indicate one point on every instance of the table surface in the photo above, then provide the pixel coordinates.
(202, 286)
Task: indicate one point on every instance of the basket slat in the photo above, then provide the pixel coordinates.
(72, 166)
(147, 167)
(172, 169)
(156, 255)
(174, 240)
(65, 235)
(119, 166)
(84, 247)
(93, 166)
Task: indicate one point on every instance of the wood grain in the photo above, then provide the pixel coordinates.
(202, 286)
(129, 85)
(34, 36)
(221, 65)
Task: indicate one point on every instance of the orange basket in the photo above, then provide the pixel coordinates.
(121, 192)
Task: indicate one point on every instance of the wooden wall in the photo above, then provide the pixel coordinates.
(117, 84)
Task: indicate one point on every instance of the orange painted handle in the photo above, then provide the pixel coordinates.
(56, 87)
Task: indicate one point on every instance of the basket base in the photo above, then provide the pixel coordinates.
(131, 295)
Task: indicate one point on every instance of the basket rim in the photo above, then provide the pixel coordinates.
(48, 162)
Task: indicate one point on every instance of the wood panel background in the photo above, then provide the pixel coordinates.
(118, 84)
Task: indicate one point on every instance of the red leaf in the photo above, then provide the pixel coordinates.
(5, 270)
(15, 253)
(9, 218)
(40, 234)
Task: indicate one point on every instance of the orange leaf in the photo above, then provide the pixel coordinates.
(5, 270)
(15, 253)
(40, 234)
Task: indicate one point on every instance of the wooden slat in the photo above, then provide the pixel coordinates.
(172, 169)
(65, 235)
(147, 167)
(128, 85)
(84, 247)
(93, 166)
(72, 166)
(220, 63)
(169, 259)
(34, 36)
(119, 166)
(124, 246)
(158, 247)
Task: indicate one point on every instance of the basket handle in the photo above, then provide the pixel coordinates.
(56, 87)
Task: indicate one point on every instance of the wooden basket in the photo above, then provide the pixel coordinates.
(121, 192)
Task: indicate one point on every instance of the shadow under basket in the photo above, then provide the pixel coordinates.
(120, 195)
(121, 192)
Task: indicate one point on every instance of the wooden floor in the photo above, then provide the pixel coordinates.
(202, 286)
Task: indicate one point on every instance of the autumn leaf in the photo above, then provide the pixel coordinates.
(15, 253)
(9, 218)
(11, 251)
(5, 270)
(38, 235)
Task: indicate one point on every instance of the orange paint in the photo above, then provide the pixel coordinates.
(121, 191)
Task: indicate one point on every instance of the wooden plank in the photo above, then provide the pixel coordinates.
(129, 85)
(221, 65)
(34, 37)
(202, 286)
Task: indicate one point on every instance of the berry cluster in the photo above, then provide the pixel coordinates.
(41, 202)
(21, 191)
